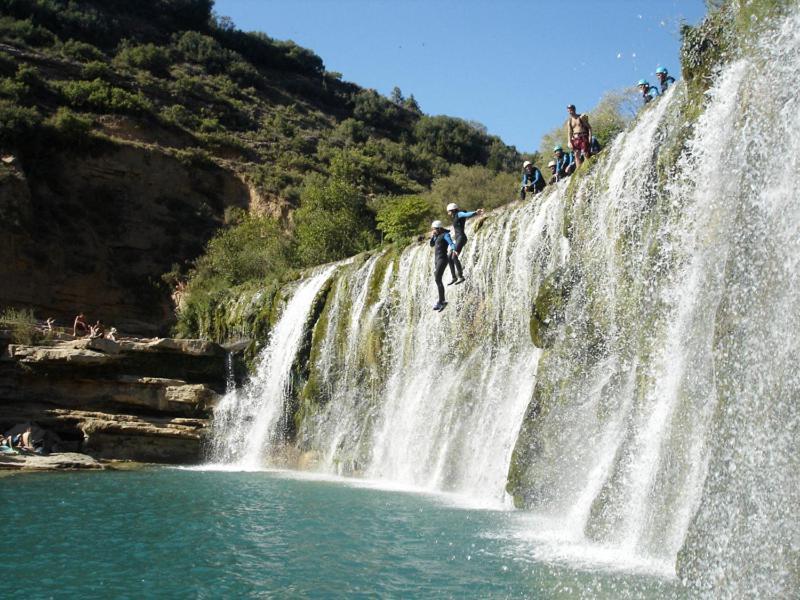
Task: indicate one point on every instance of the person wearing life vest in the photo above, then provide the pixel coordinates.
(460, 237)
(565, 163)
(532, 180)
(649, 92)
(664, 78)
(441, 242)
(579, 135)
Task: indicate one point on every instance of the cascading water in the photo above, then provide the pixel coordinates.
(622, 354)
(245, 427)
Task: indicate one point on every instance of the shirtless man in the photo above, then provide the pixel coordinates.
(80, 325)
(579, 134)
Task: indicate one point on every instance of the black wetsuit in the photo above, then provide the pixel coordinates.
(459, 222)
(441, 242)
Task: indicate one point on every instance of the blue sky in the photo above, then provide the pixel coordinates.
(511, 65)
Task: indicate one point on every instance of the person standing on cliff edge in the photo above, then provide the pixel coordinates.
(459, 222)
(579, 134)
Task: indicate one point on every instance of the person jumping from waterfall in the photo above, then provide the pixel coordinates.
(579, 135)
(649, 92)
(459, 222)
(441, 242)
(532, 180)
(664, 78)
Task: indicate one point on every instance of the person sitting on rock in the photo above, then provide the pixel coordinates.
(79, 327)
(532, 180)
(565, 163)
(649, 92)
(664, 78)
(112, 334)
(97, 330)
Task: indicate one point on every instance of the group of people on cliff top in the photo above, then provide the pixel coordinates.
(649, 92)
(582, 143)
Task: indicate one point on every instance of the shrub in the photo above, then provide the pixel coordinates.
(22, 325)
(71, 126)
(96, 69)
(333, 221)
(473, 187)
(100, 96)
(13, 89)
(254, 248)
(204, 50)
(81, 51)
(179, 115)
(149, 57)
(24, 31)
(401, 217)
(17, 122)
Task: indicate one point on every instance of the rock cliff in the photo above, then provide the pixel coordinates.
(145, 400)
(93, 231)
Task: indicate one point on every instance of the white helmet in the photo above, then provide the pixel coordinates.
(437, 225)
(552, 163)
(452, 206)
(526, 164)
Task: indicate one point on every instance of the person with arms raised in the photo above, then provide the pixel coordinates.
(460, 237)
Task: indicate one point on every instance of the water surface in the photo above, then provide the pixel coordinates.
(200, 534)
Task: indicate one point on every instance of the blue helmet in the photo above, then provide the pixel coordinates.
(558, 149)
(643, 82)
(662, 70)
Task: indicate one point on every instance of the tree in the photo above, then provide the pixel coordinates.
(400, 217)
(474, 187)
(411, 104)
(333, 221)
(397, 96)
(453, 139)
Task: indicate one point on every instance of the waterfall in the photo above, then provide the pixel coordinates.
(245, 427)
(621, 360)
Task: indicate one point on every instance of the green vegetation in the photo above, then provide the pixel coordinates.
(337, 169)
(21, 324)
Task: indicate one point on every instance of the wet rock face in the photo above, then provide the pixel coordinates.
(94, 232)
(144, 400)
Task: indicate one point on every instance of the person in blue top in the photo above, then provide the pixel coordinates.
(648, 91)
(565, 163)
(441, 242)
(532, 180)
(460, 237)
(664, 78)
(595, 145)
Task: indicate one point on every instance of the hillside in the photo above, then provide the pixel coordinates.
(132, 132)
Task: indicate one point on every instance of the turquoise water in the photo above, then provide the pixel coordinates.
(199, 534)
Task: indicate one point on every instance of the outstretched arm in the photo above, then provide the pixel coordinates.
(450, 242)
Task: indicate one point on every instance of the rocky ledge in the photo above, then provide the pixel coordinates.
(142, 400)
(52, 462)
